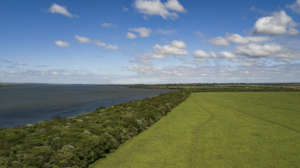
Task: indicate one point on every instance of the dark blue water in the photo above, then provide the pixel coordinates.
(25, 104)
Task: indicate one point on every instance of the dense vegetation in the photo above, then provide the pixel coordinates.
(79, 141)
(219, 130)
(225, 87)
(3, 85)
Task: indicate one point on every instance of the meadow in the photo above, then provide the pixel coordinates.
(219, 130)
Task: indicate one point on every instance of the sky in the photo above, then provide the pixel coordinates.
(149, 41)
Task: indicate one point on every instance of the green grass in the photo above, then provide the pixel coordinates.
(3, 85)
(219, 130)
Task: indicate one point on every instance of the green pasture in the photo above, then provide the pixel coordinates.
(219, 130)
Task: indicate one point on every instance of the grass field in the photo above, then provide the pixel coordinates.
(219, 130)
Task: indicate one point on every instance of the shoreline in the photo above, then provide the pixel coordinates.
(83, 139)
(26, 104)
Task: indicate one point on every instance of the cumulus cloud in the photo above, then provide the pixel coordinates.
(178, 44)
(238, 39)
(277, 51)
(131, 35)
(82, 39)
(142, 31)
(166, 10)
(107, 25)
(219, 41)
(200, 54)
(61, 43)
(256, 50)
(227, 55)
(277, 24)
(201, 71)
(175, 48)
(144, 67)
(174, 5)
(106, 46)
(295, 6)
(57, 9)
(163, 72)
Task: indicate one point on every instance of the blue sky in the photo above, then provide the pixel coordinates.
(149, 41)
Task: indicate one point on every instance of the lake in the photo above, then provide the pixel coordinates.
(30, 103)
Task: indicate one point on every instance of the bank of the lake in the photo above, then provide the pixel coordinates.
(22, 104)
(81, 140)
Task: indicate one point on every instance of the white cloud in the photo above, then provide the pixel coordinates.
(200, 54)
(153, 7)
(277, 24)
(143, 66)
(112, 47)
(178, 44)
(227, 55)
(219, 41)
(142, 31)
(175, 48)
(257, 39)
(162, 72)
(238, 39)
(156, 7)
(82, 39)
(61, 43)
(107, 25)
(277, 51)
(255, 50)
(174, 5)
(131, 35)
(55, 8)
(295, 6)
(106, 46)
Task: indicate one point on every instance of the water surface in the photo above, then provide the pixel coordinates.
(24, 104)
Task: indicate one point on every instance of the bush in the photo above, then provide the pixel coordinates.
(79, 141)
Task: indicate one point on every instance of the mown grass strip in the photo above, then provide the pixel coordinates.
(212, 130)
(168, 143)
